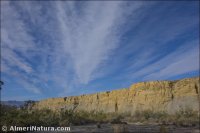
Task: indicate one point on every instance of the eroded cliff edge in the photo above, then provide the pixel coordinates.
(168, 96)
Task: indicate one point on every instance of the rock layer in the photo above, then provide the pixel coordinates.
(168, 96)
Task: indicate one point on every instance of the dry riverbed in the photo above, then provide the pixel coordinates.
(132, 128)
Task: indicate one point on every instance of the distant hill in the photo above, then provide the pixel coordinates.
(13, 103)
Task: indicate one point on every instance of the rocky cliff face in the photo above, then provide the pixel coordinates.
(168, 96)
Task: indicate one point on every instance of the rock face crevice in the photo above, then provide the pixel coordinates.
(116, 107)
(196, 88)
(168, 96)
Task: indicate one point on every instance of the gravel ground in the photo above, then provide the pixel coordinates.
(130, 128)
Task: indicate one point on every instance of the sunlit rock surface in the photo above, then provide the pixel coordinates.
(168, 96)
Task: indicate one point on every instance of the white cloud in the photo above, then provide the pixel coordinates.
(181, 64)
(15, 38)
(183, 60)
(30, 87)
(67, 44)
(89, 38)
(13, 60)
(77, 41)
(13, 31)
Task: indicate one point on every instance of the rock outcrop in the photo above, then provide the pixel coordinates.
(168, 96)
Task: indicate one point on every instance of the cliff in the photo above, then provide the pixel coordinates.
(168, 96)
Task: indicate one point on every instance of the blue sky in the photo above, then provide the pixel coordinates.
(64, 48)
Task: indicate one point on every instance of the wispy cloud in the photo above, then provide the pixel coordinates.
(90, 35)
(73, 43)
(182, 61)
(56, 48)
(15, 39)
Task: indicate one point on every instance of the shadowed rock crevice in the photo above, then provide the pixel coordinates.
(196, 89)
(116, 107)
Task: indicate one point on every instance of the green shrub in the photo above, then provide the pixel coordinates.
(47, 117)
(186, 117)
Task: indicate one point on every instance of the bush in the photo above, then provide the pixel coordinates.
(183, 117)
(47, 117)
(186, 117)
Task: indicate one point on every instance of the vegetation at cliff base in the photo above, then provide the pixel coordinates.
(46, 117)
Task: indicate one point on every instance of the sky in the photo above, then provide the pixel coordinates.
(67, 48)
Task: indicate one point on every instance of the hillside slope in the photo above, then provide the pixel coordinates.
(168, 96)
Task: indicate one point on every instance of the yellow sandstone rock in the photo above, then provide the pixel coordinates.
(168, 96)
